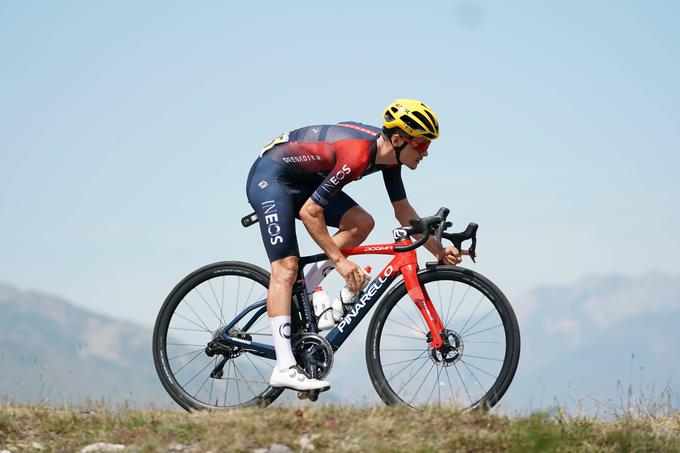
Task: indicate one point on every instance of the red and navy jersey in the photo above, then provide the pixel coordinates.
(334, 154)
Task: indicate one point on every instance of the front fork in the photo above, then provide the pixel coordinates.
(419, 295)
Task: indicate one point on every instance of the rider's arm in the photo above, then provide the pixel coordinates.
(311, 215)
(403, 211)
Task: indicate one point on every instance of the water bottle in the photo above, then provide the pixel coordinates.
(346, 298)
(322, 309)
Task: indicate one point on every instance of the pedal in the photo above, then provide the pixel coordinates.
(303, 395)
(311, 395)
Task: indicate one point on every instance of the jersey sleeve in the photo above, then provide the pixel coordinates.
(394, 184)
(351, 160)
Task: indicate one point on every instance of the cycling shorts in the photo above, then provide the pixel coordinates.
(277, 198)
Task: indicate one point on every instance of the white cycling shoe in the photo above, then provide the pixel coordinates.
(295, 378)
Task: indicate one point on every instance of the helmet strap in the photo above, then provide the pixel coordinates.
(398, 150)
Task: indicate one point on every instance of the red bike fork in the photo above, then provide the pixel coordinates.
(422, 300)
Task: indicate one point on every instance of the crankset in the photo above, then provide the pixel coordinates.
(315, 355)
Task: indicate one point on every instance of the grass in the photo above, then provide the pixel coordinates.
(327, 428)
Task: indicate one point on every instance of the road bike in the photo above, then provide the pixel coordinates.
(443, 335)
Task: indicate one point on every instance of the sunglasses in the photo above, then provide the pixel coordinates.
(419, 145)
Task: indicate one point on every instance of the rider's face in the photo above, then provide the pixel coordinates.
(414, 151)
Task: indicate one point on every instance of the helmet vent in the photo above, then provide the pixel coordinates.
(434, 121)
(388, 116)
(424, 120)
(412, 123)
(394, 110)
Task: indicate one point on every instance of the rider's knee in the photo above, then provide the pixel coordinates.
(284, 271)
(364, 227)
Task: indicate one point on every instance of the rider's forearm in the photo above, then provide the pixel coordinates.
(403, 211)
(311, 215)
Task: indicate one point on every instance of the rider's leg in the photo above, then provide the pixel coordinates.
(354, 225)
(284, 272)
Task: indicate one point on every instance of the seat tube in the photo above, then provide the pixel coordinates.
(424, 304)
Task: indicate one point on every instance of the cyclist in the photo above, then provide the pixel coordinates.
(300, 174)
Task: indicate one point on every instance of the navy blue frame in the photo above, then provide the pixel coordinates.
(302, 305)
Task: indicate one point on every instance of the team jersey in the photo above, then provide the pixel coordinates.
(334, 155)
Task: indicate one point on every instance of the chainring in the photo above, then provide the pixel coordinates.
(313, 352)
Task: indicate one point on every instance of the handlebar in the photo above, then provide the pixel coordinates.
(437, 225)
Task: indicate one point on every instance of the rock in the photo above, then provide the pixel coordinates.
(279, 448)
(306, 443)
(102, 446)
(37, 446)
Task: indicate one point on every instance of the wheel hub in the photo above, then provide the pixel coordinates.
(451, 351)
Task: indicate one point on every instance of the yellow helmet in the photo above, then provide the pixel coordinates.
(412, 117)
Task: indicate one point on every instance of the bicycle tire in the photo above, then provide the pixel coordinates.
(398, 295)
(167, 372)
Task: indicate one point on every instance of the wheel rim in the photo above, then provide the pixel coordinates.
(198, 314)
(468, 370)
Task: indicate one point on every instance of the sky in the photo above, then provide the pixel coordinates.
(127, 130)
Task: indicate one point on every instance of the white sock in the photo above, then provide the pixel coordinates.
(316, 272)
(280, 326)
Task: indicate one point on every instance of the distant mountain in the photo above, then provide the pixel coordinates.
(53, 351)
(579, 343)
(584, 343)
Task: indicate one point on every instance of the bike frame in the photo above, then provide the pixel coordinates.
(404, 263)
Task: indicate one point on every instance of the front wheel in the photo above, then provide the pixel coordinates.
(481, 348)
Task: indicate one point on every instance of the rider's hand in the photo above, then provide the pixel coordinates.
(353, 275)
(451, 255)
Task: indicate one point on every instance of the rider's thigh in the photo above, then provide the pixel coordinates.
(358, 222)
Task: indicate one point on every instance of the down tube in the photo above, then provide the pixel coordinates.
(337, 336)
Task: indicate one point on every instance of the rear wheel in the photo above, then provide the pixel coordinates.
(196, 309)
(481, 343)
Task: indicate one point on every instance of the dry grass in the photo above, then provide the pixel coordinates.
(327, 428)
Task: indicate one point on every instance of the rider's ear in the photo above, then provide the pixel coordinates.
(396, 140)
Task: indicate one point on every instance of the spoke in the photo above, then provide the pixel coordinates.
(219, 321)
(203, 384)
(477, 368)
(402, 350)
(482, 341)
(204, 327)
(408, 327)
(226, 390)
(484, 330)
(441, 300)
(184, 355)
(184, 328)
(199, 372)
(403, 336)
(238, 387)
(185, 344)
(411, 319)
(212, 383)
(421, 384)
(472, 314)
(256, 368)
(435, 386)
(222, 300)
(406, 366)
(192, 359)
(448, 307)
(464, 386)
(475, 377)
(403, 361)
(448, 378)
(220, 318)
(269, 364)
(412, 376)
(467, 290)
(199, 318)
(479, 320)
(238, 292)
(485, 358)
(252, 285)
